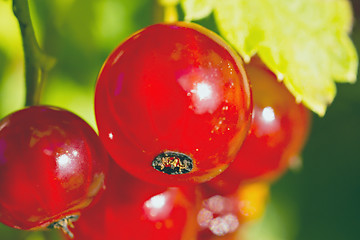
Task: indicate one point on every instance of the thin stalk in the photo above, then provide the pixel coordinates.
(37, 63)
(170, 13)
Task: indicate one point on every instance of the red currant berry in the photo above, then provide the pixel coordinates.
(134, 210)
(277, 134)
(52, 165)
(173, 104)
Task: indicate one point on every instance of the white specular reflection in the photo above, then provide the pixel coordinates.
(204, 217)
(216, 204)
(63, 161)
(111, 136)
(158, 207)
(268, 114)
(156, 202)
(75, 153)
(203, 91)
(204, 86)
(218, 215)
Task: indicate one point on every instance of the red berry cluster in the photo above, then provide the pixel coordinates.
(195, 137)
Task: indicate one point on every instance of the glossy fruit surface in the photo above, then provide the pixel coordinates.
(134, 210)
(52, 165)
(173, 104)
(277, 134)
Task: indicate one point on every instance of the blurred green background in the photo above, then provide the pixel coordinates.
(320, 201)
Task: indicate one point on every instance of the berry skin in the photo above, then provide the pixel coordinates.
(277, 134)
(52, 165)
(135, 210)
(173, 104)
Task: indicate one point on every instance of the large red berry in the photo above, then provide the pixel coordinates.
(173, 104)
(277, 134)
(52, 165)
(132, 209)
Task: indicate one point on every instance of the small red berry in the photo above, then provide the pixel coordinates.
(277, 134)
(134, 210)
(52, 165)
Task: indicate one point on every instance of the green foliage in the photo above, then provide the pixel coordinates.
(304, 42)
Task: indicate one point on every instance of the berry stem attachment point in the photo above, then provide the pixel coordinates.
(64, 224)
(170, 11)
(37, 63)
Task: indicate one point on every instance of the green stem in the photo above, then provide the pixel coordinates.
(170, 14)
(37, 63)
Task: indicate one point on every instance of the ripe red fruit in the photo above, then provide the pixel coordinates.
(173, 104)
(52, 165)
(135, 210)
(277, 134)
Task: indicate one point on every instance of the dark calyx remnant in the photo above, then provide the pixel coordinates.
(64, 224)
(173, 163)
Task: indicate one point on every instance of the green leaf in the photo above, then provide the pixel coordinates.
(304, 42)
